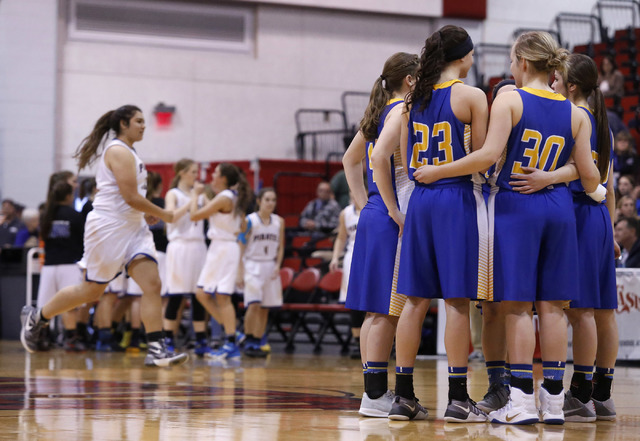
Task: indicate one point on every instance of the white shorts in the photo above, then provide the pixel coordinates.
(346, 270)
(260, 285)
(55, 277)
(111, 243)
(133, 289)
(218, 275)
(184, 264)
(117, 285)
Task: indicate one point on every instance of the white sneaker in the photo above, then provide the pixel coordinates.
(520, 409)
(378, 408)
(551, 407)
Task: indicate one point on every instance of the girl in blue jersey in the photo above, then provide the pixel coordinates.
(372, 278)
(535, 240)
(595, 331)
(440, 245)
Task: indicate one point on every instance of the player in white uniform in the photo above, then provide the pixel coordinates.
(217, 280)
(344, 242)
(262, 257)
(186, 253)
(115, 234)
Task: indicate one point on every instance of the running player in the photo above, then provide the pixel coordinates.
(440, 246)
(115, 233)
(217, 279)
(260, 271)
(541, 129)
(373, 277)
(186, 253)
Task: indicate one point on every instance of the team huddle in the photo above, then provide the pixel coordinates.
(510, 208)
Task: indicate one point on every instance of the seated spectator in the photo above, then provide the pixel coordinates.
(10, 225)
(624, 186)
(340, 189)
(626, 233)
(626, 207)
(625, 157)
(322, 214)
(29, 234)
(611, 80)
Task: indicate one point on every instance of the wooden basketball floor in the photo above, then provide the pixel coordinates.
(112, 396)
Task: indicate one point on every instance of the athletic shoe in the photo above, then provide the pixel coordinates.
(104, 346)
(551, 407)
(157, 355)
(266, 348)
(202, 348)
(576, 411)
(228, 350)
(476, 356)
(126, 339)
(464, 412)
(520, 409)
(240, 338)
(252, 349)
(605, 410)
(496, 397)
(378, 407)
(31, 327)
(73, 344)
(168, 342)
(404, 409)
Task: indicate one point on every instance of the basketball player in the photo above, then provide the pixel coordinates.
(440, 244)
(372, 278)
(115, 233)
(260, 271)
(541, 129)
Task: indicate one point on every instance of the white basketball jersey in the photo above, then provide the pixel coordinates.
(108, 199)
(184, 228)
(351, 223)
(225, 226)
(404, 185)
(263, 242)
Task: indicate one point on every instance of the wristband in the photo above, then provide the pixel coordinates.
(599, 194)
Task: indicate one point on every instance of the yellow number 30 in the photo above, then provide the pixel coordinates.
(536, 158)
(422, 132)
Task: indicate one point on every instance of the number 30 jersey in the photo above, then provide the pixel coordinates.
(542, 139)
(436, 136)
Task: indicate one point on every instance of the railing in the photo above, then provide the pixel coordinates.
(617, 14)
(574, 29)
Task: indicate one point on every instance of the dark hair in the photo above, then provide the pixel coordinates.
(59, 192)
(236, 176)
(631, 223)
(395, 70)
(178, 168)
(154, 181)
(87, 151)
(432, 61)
(500, 85)
(612, 60)
(86, 187)
(63, 175)
(583, 73)
(264, 191)
(630, 178)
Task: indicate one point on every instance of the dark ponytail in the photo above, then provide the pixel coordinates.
(87, 151)
(583, 73)
(433, 60)
(59, 192)
(395, 70)
(236, 177)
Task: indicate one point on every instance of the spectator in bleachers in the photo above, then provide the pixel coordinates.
(27, 236)
(340, 189)
(626, 233)
(625, 158)
(625, 186)
(626, 208)
(611, 80)
(10, 223)
(634, 126)
(322, 214)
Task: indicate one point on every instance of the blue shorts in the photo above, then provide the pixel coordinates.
(535, 246)
(374, 255)
(596, 260)
(440, 243)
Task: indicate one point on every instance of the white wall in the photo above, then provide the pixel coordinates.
(426, 8)
(28, 57)
(230, 105)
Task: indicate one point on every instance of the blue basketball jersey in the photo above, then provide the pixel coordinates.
(371, 182)
(576, 186)
(542, 138)
(436, 136)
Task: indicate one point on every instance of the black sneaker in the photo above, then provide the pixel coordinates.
(464, 412)
(73, 344)
(404, 409)
(157, 355)
(31, 327)
(496, 397)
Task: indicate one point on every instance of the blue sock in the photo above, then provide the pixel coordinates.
(496, 371)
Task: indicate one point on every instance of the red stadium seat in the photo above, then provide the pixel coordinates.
(286, 277)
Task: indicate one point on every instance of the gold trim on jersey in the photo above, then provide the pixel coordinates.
(394, 100)
(587, 109)
(446, 84)
(544, 94)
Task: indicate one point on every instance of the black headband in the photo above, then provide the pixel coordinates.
(459, 51)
